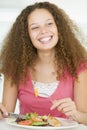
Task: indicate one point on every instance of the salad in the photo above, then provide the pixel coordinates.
(33, 119)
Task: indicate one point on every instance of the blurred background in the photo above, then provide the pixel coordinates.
(10, 9)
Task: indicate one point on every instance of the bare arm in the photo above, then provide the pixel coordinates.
(80, 97)
(76, 109)
(9, 95)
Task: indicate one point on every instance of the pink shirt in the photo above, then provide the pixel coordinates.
(30, 103)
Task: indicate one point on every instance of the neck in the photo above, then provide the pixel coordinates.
(46, 57)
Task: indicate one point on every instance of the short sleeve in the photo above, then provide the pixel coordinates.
(82, 68)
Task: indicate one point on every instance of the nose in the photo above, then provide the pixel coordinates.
(44, 30)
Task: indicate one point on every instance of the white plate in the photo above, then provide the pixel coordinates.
(66, 124)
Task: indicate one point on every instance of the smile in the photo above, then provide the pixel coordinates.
(45, 39)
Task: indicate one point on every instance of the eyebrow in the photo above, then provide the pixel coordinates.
(37, 23)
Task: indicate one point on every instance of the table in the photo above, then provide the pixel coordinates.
(5, 126)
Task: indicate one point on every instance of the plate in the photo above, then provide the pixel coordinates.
(65, 124)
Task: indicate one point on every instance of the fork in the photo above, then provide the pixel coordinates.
(15, 115)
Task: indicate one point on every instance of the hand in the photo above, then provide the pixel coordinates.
(66, 106)
(3, 111)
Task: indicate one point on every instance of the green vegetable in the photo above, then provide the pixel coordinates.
(30, 115)
(40, 123)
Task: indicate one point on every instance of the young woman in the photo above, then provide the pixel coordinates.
(44, 65)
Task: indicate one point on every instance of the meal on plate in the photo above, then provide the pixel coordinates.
(33, 119)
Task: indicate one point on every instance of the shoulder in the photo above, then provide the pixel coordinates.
(82, 74)
(82, 68)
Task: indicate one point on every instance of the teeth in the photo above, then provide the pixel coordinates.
(45, 39)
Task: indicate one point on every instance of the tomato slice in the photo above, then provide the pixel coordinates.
(25, 122)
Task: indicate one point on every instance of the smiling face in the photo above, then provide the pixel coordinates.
(42, 30)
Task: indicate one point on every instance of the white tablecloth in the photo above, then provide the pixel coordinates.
(5, 126)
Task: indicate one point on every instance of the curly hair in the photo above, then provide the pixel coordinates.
(18, 53)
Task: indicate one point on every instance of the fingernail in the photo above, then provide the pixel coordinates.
(5, 113)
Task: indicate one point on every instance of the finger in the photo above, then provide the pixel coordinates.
(66, 109)
(67, 106)
(69, 113)
(1, 116)
(3, 110)
(59, 102)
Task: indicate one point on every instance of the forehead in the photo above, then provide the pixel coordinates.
(39, 15)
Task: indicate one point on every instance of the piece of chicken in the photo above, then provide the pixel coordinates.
(53, 121)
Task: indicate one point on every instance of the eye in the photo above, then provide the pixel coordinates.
(50, 23)
(34, 28)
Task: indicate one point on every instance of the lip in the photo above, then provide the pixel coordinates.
(45, 39)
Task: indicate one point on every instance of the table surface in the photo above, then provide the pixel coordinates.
(5, 126)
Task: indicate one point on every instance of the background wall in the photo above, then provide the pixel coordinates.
(9, 10)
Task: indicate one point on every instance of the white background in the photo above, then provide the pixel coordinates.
(9, 10)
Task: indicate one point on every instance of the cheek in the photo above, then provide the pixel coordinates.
(33, 38)
(55, 31)
(33, 35)
(57, 35)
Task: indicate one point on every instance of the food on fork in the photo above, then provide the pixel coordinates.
(33, 119)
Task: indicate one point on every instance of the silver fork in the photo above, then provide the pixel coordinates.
(15, 115)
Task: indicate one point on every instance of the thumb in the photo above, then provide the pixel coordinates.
(3, 110)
